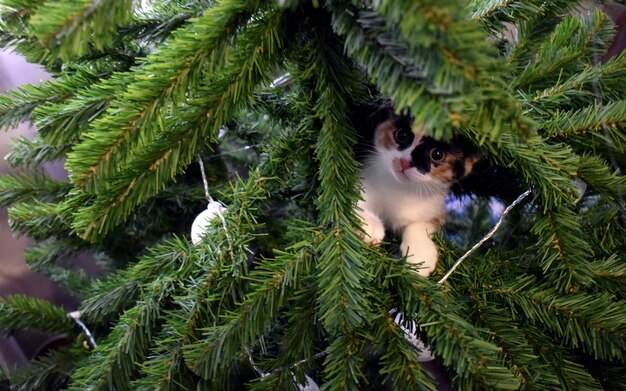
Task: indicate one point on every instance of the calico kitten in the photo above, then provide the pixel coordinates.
(404, 180)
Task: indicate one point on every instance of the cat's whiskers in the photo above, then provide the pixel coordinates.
(427, 189)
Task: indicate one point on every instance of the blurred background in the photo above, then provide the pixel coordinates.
(15, 277)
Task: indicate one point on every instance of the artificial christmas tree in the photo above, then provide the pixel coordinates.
(282, 285)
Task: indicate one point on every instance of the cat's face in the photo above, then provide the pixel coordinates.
(412, 157)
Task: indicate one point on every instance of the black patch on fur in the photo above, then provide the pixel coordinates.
(403, 124)
(420, 156)
(458, 169)
(365, 118)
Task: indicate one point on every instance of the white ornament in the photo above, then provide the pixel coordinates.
(310, 385)
(203, 221)
(410, 333)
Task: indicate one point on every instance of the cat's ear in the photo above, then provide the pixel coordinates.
(384, 112)
(387, 111)
(471, 154)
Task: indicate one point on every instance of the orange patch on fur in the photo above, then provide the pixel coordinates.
(469, 163)
(444, 171)
(419, 132)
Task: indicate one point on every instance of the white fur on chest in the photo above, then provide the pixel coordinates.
(400, 204)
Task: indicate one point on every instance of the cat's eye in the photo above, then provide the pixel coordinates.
(403, 136)
(437, 155)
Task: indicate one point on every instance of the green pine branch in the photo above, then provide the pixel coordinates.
(200, 281)
(165, 367)
(572, 375)
(73, 25)
(14, 16)
(29, 48)
(38, 220)
(153, 281)
(49, 253)
(574, 43)
(34, 153)
(601, 221)
(284, 151)
(112, 363)
(399, 360)
(495, 13)
(563, 253)
(448, 69)
(447, 60)
(597, 119)
(578, 90)
(167, 77)
(390, 67)
(342, 275)
(18, 105)
(19, 8)
(219, 297)
(271, 283)
(590, 322)
(108, 298)
(340, 268)
(610, 274)
(62, 123)
(19, 312)
(49, 372)
(25, 187)
(343, 366)
(518, 353)
(75, 281)
(476, 361)
(300, 343)
(156, 28)
(597, 174)
(160, 161)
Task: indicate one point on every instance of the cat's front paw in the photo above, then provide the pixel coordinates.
(373, 228)
(419, 248)
(425, 258)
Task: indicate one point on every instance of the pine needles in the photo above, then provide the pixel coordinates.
(288, 288)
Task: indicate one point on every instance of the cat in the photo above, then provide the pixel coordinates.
(404, 178)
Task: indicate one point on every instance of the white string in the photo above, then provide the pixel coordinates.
(254, 366)
(218, 210)
(204, 181)
(315, 356)
(486, 237)
(75, 315)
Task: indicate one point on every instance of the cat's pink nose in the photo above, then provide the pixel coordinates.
(405, 164)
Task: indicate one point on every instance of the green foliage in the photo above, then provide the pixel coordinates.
(49, 372)
(19, 104)
(285, 287)
(582, 320)
(25, 187)
(73, 25)
(24, 313)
